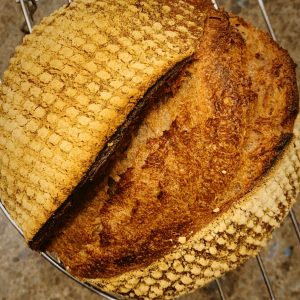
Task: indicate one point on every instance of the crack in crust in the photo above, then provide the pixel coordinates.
(212, 170)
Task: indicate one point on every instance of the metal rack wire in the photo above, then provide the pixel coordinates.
(28, 8)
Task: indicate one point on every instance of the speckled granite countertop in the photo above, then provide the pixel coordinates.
(25, 275)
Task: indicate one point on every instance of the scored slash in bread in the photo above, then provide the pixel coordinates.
(70, 86)
(212, 170)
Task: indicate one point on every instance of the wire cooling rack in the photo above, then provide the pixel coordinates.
(28, 8)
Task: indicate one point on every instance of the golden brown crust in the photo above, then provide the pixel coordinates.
(238, 104)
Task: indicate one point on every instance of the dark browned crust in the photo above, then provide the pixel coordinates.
(114, 146)
(278, 149)
(252, 131)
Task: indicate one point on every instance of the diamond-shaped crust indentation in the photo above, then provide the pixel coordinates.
(71, 84)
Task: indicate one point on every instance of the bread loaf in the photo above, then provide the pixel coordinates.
(205, 160)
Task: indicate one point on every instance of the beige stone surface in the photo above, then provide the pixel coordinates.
(25, 275)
